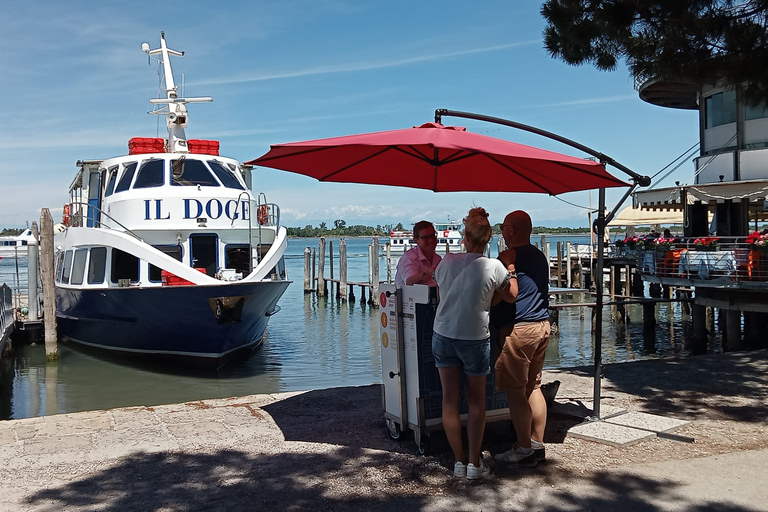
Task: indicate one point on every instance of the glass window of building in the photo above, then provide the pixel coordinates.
(191, 172)
(150, 174)
(97, 265)
(720, 109)
(757, 112)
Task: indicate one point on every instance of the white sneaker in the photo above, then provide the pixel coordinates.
(476, 472)
(518, 456)
(459, 469)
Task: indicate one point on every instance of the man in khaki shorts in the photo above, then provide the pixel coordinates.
(524, 331)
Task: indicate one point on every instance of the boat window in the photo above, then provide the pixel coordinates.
(174, 251)
(227, 177)
(191, 172)
(124, 266)
(97, 265)
(150, 174)
(59, 266)
(125, 180)
(66, 267)
(78, 267)
(238, 258)
(111, 181)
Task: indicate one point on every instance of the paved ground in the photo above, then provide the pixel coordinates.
(328, 450)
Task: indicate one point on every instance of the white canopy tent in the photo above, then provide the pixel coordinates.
(639, 217)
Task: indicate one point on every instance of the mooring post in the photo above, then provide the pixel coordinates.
(559, 264)
(49, 290)
(33, 251)
(733, 329)
(568, 277)
(342, 289)
(314, 274)
(699, 319)
(330, 256)
(321, 268)
(375, 271)
(389, 263)
(307, 270)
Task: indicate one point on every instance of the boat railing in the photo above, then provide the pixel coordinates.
(7, 314)
(78, 219)
(701, 259)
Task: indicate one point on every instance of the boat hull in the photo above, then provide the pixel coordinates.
(206, 325)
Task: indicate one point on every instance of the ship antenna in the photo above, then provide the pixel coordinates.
(173, 107)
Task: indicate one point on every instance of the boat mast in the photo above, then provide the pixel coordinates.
(175, 111)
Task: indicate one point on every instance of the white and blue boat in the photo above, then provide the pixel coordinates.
(167, 252)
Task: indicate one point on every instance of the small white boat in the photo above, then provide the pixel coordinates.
(449, 239)
(167, 252)
(15, 245)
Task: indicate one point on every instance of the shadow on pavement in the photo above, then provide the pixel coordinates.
(730, 386)
(345, 479)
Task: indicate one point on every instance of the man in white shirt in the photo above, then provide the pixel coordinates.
(417, 264)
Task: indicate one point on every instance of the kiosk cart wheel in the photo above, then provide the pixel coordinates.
(423, 442)
(393, 429)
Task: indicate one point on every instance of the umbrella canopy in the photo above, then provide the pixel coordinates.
(438, 158)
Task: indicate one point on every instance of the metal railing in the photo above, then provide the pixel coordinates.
(729, 259)
(14, 274)
(7, 311)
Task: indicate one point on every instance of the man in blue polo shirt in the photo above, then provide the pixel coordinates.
(524, 329)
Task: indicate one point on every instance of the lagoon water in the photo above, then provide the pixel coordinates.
(313, 343)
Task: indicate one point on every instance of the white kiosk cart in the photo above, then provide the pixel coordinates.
(412, 395)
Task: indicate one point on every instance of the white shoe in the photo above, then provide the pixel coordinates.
(459, 469)
(477, 472)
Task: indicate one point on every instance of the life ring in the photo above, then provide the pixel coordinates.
(262, 214)
(65, 216)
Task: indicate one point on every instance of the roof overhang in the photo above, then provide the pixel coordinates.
(756, 191)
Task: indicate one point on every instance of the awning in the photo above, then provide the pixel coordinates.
(639, 217)
(669, 198)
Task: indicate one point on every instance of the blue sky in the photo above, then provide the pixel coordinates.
(75, 86)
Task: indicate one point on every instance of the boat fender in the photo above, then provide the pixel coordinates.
(65, 216)
(262, 214)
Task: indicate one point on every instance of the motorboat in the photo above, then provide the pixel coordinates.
(449, 239)
(167, 251)
(16, 245)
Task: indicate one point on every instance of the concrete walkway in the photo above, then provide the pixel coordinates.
(328, 450)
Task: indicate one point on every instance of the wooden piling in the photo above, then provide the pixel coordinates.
(568, 277)
(33, 266)
(343, 269)
(559, 266)
(321, 268)
(389, 263)
(699, 320)
(330, 256)
(307, 270)
(314, 260)
(49, 290)
(375, 272)
(733, 330)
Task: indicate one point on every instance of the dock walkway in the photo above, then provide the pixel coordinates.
(328, 450)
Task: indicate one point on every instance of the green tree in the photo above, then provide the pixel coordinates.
(698, 41)
(339, 224)
(399, 226)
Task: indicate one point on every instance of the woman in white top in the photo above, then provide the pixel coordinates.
(467, 285)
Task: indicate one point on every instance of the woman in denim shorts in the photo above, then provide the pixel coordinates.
(467, 285)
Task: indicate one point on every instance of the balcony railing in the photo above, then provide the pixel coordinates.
(728, 259)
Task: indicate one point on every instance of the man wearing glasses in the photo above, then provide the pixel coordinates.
(417, 264)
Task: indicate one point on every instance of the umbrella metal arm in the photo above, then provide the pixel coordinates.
(600, 224)
(639, 179)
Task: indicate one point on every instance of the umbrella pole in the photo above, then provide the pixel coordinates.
(598, 370)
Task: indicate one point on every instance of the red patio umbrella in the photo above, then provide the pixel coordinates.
(438, 158)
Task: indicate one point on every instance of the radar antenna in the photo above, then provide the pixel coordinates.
(172, 107)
